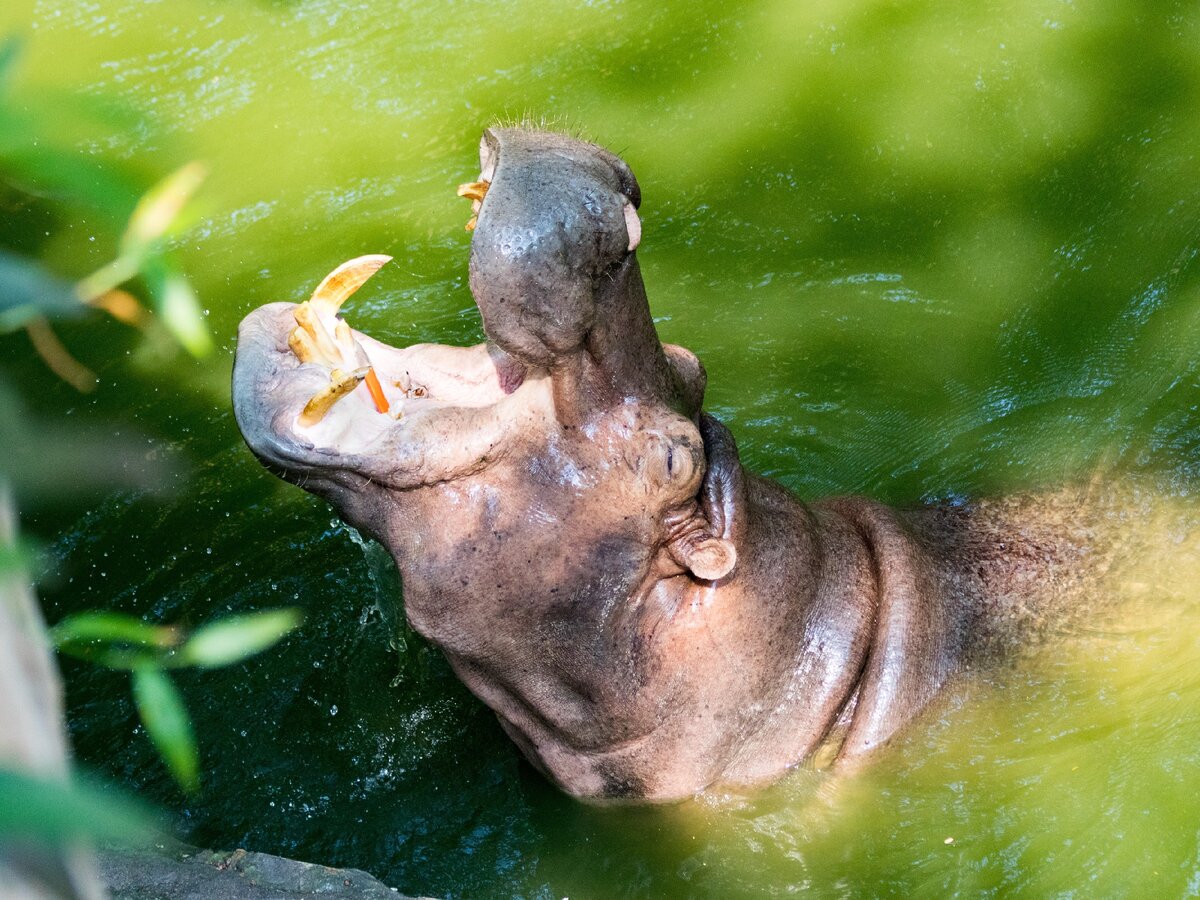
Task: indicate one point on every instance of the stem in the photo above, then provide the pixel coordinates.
(57, 357)
(107, 277)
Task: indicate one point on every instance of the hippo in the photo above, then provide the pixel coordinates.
(647, 619)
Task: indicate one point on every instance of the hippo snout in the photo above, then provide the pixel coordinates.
(558, 217)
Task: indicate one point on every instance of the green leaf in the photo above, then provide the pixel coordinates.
(10, 49)
(180, 312)
(28, 291)
(111, 627)
(113, 659)
(59, 812)
(162, 711)
(159, 207)
(16, 557)
(178, 306)
(236, 637)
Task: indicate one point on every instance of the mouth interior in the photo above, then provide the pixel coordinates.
(418, 382)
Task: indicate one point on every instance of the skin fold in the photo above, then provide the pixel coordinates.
(647, 619)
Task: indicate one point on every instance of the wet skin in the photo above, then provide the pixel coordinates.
(647, 619)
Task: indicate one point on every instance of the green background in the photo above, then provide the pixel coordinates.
(925, 250)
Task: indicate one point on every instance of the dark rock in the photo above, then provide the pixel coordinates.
(175, 871)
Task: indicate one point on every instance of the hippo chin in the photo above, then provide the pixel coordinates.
(647, 619)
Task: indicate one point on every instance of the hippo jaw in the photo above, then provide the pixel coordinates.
(552, 266)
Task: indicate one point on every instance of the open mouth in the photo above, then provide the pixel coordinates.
(368, 377)
(371, 388)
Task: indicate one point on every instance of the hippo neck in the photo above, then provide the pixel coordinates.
(920, 632)
(878, 632)
(621, 357)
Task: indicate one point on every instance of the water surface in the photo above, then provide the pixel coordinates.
(924, 251)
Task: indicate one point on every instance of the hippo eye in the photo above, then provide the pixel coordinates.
(677, 463)
(663, 461)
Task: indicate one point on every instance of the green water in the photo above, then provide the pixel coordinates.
(924, 249)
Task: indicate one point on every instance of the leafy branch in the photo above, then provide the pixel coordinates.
(148, 652)
(31, 297)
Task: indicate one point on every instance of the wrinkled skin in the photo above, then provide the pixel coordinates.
(646, 619)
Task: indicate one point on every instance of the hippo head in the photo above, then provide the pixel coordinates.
(539, 492)
(646, 619)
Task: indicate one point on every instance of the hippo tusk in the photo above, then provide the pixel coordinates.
(340, 384)
(633, 226)
(343, 281)
(474, 191)
(312, 341)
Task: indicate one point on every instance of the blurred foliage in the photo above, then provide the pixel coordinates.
(44, 180)
(51, 183)
(147, 651)
(44, 169)
(52, 812)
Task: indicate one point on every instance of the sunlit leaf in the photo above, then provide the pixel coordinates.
(111, 627)
(28, 291)
(105, 279)
(159, 207)
(178, 308)
(181, 314)
(237, 637)
(58, 812)
(162, 711)
(10, 49)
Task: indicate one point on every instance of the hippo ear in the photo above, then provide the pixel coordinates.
(633, 225)
(707, 557)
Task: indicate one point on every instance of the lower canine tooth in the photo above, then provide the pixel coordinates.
(306, 318)
(340, 384)
(303, 346)
(474, 191)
